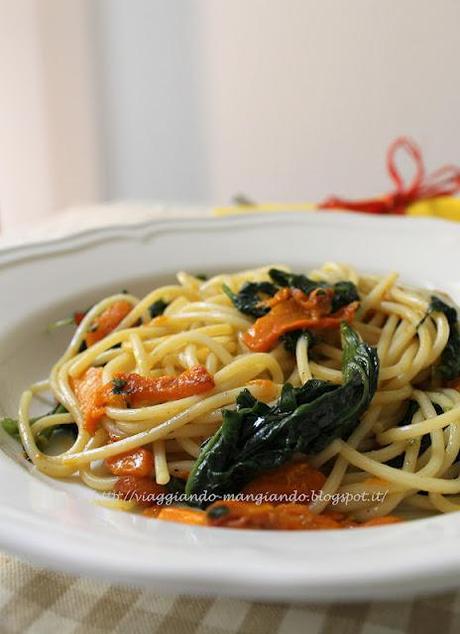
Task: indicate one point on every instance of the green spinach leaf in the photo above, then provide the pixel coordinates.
(10, 425)
(425, 441)
(293, 280)
(250, 297)
(449, 365)
(289, 339)
(344, 293)
(255, 437)
(157, 308)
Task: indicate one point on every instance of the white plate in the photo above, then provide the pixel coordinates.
(56, 524)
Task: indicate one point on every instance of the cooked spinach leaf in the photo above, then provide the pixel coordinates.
(449, 365)
(176, 485)
(289, 339)
(10, 425)
(425, 441)
(73, 319)
(255, 437)
(59, 323)
(293, 280)
(58, 409)
(157, 308)
(345, 292)
(412, 408)
(118, 385)
(437, 305)
(250, 297)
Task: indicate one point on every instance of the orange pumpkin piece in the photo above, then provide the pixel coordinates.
(134, 390)
(107, 321)
(152, 511)
(267, 390)
(297, 478)
(137, 462)
(182, 515)
(234, 514)
(300, 517)
(86, 390)
(291, 309)
(144, 491)
(318, 303)
(138, 390)
(381, 521)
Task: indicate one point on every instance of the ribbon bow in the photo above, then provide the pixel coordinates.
(443, 182)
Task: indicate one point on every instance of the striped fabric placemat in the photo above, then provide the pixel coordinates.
(34, 601)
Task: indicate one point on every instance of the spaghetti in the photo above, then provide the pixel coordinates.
(145, 393)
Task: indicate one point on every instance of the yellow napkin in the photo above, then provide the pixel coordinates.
(447, 207)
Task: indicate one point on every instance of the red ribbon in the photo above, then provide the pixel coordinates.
(443, 182)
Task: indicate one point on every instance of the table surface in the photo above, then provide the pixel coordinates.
(36, 601)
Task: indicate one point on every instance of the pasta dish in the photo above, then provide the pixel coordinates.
(263, 399)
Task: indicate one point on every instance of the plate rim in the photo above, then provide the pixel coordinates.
(93, 235)
(317, 590)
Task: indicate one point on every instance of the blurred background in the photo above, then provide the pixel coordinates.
(195, 101)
